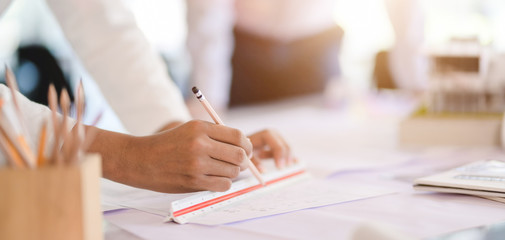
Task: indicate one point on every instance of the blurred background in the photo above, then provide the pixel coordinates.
(257, 52)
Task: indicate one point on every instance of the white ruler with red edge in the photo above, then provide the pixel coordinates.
(183, 210)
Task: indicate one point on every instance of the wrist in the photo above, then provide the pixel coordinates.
(114, 149)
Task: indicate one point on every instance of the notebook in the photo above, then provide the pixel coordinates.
(483, 178)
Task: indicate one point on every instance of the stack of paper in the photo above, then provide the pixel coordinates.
(483, 178)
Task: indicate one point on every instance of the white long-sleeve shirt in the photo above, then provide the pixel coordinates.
(129, 73)
(114, 51)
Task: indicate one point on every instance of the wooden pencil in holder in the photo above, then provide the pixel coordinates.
(52, 202)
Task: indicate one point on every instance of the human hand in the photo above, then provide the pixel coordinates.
(270, 144)
(194, 156)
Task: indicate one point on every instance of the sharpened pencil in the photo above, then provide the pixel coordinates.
(199, 95)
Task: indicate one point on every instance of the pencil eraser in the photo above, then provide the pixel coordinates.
(195, 90)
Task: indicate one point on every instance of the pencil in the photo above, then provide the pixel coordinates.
(199, 95)
(13, 86)
(7, 147)
(23, 134)
(10, 151)
(78, 135)
(65, 108)
(53, 105)
(42, 144)
(14, 141)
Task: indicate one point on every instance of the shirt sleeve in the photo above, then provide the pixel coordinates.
(117, 55)
(34, 115)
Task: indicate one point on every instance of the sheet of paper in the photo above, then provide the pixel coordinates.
(150, 226)
(110, 207)
(117, 196)
(310, 194)
(419, 216)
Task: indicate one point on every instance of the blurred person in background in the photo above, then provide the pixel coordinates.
(246, 52)
(407, 62)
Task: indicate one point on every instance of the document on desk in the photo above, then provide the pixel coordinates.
(307, 194)
(289, 190)
(116, 196)
(482, 178)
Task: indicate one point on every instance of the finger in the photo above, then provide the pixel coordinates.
(278, 150)
(289, 155)
(228, 153)
(264, 154)
(192, 183)
(218, 168)
(289, 158)
(231, 136)
(213, 183)
(275, 143)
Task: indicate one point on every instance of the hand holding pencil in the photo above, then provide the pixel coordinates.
(268, 143)
(194, 156)
(218, 120)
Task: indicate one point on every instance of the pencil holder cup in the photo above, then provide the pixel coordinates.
(52, 202)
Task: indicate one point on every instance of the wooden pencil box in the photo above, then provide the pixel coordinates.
(52, 202)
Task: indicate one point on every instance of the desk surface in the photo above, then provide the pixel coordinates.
(354, 143)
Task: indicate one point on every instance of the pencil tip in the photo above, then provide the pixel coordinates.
(195, 90)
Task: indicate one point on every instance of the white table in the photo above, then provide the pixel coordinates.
(356, 142)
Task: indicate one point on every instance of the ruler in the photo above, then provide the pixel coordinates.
(183, 210)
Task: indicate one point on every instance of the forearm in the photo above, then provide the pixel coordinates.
(112, 147)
